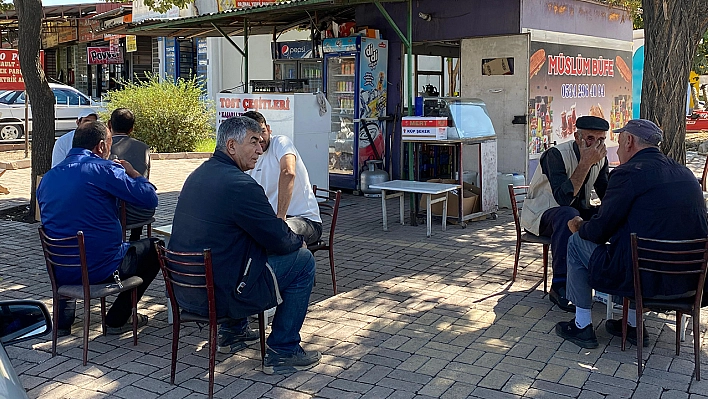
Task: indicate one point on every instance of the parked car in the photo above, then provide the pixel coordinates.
(69, 104)
(20, 320)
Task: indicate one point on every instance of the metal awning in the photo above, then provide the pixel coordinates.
(263, 19)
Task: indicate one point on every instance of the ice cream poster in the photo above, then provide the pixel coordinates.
(372, 96)
(567, 82)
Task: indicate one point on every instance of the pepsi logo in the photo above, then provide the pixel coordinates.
(285, 49)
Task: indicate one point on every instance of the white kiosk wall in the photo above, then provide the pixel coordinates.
(294, 115)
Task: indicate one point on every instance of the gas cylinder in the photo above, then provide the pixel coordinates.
(372, 176)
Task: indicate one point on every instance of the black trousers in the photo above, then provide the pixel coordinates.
(140, 260)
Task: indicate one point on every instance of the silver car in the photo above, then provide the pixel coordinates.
(70, 103)
(20, 320)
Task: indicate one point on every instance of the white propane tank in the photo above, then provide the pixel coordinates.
(503, 181)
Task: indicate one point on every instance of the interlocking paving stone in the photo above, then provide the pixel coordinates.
(416, 317)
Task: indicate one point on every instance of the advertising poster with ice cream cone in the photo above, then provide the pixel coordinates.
(567, 82)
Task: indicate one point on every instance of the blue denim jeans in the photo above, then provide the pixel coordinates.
(578, 287)
(295, 273)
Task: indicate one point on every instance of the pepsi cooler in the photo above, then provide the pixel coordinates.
(298, 60)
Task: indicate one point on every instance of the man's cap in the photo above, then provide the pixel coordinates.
(644, 129)
(86, 113)
(592, 123)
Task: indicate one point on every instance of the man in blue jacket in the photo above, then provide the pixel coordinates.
(256, 258)
(648, 194)
(82, 193)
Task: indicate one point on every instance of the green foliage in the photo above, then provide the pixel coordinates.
(208, 145)
(700, 60)
(169, 116)
(633, 6)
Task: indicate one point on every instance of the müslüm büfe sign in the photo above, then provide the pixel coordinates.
(103, 55)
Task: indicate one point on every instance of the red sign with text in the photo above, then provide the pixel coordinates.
(104, 55)
(10, 72)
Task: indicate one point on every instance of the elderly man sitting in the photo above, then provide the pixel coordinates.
(647, 194)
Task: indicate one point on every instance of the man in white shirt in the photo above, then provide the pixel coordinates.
(64, 143)
(283, 176)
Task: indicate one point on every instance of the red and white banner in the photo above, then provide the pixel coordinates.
(10, 72)
(104, 55)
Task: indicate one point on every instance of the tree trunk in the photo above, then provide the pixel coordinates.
(29, 16)
(673, 30)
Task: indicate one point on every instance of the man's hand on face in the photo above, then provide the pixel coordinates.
(129, 170)
(593, 153)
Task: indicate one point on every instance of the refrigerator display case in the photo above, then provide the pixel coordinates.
(310, 69)
(355, 84)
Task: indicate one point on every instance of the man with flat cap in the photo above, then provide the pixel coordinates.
(560, 190)
(648, 194)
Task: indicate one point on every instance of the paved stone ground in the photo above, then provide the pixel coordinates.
(416, 317)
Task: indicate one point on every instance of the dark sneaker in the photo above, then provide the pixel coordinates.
(557, 296)
(231, 342)
(614, 327)
(275, 363)
(128, 326)
(583, 337)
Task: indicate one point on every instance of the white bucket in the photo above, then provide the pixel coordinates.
(503, 181)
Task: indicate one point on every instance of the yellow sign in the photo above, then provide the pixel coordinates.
(131, 44)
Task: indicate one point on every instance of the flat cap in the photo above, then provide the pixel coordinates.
(592, 123)
(644, 129)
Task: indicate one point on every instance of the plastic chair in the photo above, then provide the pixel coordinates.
(185, 267)
(71, 252)
(684, 259)
(130, 227)
(517, 195)
(330, 207)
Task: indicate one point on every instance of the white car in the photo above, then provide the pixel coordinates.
(70, 103)
(20, 320)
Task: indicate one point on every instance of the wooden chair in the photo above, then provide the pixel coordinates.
(517, 194)
(129, 227)
(71, 252)
(328, 206)
(683, 259)
(704, 175)
(196, 267)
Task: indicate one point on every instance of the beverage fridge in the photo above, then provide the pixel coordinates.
(355, 84)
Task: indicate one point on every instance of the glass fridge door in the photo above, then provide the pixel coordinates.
(285, 69)
(312, 71)
(340, 93)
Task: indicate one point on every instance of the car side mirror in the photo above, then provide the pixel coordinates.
(21, 320)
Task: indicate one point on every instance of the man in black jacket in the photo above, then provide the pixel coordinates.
(648, 194)
(256, 257)
(138, 154)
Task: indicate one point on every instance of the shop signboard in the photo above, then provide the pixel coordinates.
(131, 43)
(10, 72)
(86, 29)
(66, 32)
(294, 49)
(103, 55)
(50, 39)
(275, 108)
(225, 5)
(570, 81)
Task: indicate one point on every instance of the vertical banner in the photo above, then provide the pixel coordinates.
(131, 43)
(372, 96)
(567, 82)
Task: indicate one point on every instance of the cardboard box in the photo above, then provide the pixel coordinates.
(424, 128)
(497, 66)
(470, 203)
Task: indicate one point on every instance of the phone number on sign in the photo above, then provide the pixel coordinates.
(570, 90)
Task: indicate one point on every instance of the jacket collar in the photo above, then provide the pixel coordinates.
(82, 151)
(222, 157)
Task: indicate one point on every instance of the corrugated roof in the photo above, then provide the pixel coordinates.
(262, 19)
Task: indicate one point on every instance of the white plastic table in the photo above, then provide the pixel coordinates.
(417, 187)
